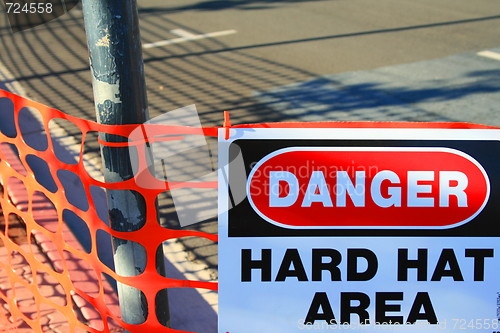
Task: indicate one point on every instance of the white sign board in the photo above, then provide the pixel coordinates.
(359, 229)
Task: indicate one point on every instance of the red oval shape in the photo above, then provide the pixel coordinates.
(368, 187)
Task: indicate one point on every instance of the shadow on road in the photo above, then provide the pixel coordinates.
(225, 4)
(327, 99)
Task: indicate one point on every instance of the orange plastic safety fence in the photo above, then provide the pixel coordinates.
(68, 256)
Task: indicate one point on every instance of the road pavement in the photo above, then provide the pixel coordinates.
(276, 43)
(461, 87)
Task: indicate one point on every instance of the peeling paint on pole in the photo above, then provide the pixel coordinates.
(103, 91)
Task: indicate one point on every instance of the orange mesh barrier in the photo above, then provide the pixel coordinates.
(46, 224)
(79, 296)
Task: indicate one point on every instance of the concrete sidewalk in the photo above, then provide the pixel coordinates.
(21, 285)
(46, 317)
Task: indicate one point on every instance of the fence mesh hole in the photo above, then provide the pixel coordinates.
(42, 173)
(79, 228)
(8, 125)
(32, 129)
(65, 146)
(73, 189)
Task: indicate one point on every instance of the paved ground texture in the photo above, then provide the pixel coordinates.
(462, 87)
(49, 318)
(33, 296)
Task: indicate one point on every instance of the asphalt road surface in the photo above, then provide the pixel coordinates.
(249, 57)
(275, 43)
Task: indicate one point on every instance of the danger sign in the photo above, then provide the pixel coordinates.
(369, 187)
(359, 228)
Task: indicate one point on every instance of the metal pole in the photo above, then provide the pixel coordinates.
(120, 98)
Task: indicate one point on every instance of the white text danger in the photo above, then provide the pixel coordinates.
(385, 189)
